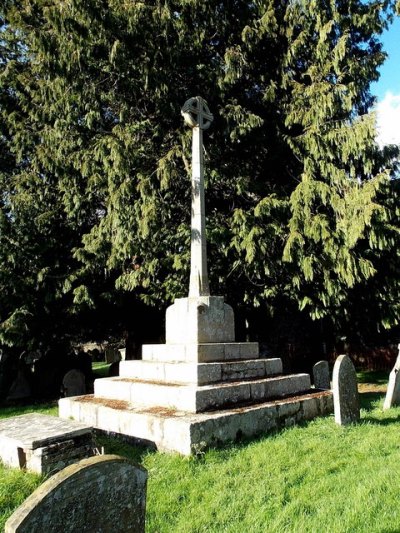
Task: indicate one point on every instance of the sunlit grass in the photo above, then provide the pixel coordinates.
(317, 477)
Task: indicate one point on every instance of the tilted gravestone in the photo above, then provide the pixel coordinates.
(101, 494)
(346, 401)
(321, 375)
(393, 391)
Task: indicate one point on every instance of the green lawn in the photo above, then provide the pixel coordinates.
(317, 477)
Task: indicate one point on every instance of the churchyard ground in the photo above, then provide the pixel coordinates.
(314, 477)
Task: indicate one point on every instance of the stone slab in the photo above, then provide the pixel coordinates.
(321, 375)
(196, 399)
(185, 432)
(392, 397)
(104, 493)
(42, 443)
(200, 373)
(345, 391)
(200, 353)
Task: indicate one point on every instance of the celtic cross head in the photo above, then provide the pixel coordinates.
(196, 113)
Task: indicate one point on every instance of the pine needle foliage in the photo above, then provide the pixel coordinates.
(298, 194)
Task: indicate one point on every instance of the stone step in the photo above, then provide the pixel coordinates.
(200, 373)
(198, 399)
(187, 432)
(200, 353)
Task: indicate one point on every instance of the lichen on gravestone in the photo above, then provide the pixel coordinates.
(346, 400)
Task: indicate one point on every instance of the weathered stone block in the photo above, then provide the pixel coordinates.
(106, 493)
(199, 320)
(42, 443)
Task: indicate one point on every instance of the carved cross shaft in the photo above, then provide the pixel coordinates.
(197, 115)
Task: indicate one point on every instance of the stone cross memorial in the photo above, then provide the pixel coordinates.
(201, 387)
(200, 318)
(321, 375)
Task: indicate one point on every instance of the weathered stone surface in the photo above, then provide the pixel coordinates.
(101, 494)
(345, 392)
(393, 391)
(321, 375)
(182, 432)
(199, 352)
(74, 383)
(199, 398)
(199, 320)
(200, 373)
(42, 443)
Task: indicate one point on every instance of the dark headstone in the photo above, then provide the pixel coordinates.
(74, 383)
(321, 375)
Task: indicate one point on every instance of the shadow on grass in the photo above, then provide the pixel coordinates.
(369, 400)
(22, 408)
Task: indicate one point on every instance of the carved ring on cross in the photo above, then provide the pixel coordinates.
(196, 113)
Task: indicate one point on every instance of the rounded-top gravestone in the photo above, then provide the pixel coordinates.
(346, 401)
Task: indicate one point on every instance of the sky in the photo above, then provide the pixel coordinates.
(387, 89)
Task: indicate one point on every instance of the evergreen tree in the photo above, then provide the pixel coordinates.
(298, 198)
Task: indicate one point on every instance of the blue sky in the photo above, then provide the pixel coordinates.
(387, 89)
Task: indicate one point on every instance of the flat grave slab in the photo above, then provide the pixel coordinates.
(43, 443)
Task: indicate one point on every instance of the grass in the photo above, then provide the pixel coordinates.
(100, 369)
(317, 477)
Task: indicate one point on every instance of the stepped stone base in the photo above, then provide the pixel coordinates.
(185, 432)
(197, 399)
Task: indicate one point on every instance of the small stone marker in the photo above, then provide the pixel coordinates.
(321, 375)
(106, 494)
(393, 390)
(346, 401)
(74, 383)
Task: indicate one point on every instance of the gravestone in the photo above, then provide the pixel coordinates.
(393, 391)
(74, 383)
(20, 388)
(106, 494)
(346, 401)
(321, 375)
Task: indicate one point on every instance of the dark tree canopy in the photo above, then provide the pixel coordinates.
(95, 158)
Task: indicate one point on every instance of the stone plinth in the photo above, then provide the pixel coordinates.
(196, 399)
(181, 372)
(197, 320)
(183, 432)
(43, 444)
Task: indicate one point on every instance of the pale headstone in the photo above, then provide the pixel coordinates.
(74, 383)
(393, 390)
(102, 494)
(346, 401)
(321, 375)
